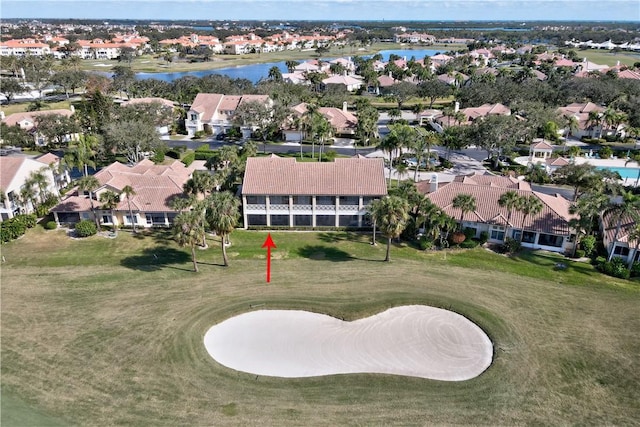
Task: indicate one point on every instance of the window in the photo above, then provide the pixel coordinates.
(194, 117)
(621, 250)
(348, 220)
(256, 200)
(550, 240)
(302, 200)
(497, 235)
(529, 237)
(325, 200)
(106, 219)
(280, 220)
(349, 200)
(256, 220)
(127, 219)
(302, 220)
(325, 221)
(278, 200)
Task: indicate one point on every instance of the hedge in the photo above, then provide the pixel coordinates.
(189, 158)
(86, 228)
(15, 227)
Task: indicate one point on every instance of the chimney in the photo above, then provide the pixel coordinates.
(456, 107)
(344, 106)
(433, 183)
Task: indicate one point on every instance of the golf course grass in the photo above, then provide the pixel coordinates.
(106, 331)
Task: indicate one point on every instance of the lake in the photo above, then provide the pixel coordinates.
(256, 72)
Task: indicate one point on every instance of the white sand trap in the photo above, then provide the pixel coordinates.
(416, 341)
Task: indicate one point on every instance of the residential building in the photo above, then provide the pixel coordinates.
(29, 122)
(548, 230)
(213, 112)
(281, 192)
(618, 239)
(14, 173)
(343, 123)
(585, 125)
(155, 186)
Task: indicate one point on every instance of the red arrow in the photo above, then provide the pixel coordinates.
(268, 243)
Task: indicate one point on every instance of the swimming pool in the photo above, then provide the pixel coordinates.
(625, 173)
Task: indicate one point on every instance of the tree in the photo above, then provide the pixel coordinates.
(40, 180)
(634, 236)
(291, 65)
(90, 184)
(132, 138)
(390, 214)
(401, 92)
(222, 216)
(10, 87)
(582, 177)
(367, 126)
(128, 192)
(401, 135)
(275, 74)
(123, 78)
(587, 208)
(126, 54)
(83, 154)
(433, 89)
(529, 206)
(189, 231)
(466, 203)
(509, 200)
(56, 128)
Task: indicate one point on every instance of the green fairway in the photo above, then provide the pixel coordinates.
(110, 331)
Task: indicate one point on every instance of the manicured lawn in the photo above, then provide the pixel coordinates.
(110, 331)
(22, 107)
(605, 57)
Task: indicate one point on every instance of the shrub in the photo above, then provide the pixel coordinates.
(330, 156)
(203, 147)
(189, 158)
(11, 230)
(27, 220)
(616, 267)
(86, 228)
(198, 134)
(635, 269)
(204, 155)
(158, 157)
(469, 233)
(580, 253)
(173, 154)
(511, 246)
(484, 236)
(51, 225)
(458, 237)
(469, 244)
(425, 243)
(588, 244)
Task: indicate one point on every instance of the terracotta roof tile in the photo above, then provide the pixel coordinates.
(285, 176)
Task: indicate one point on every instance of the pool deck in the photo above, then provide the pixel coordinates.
(611, 163)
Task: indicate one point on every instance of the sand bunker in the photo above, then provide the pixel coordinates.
(417, 341)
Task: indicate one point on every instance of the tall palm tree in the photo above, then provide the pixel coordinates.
(401, 135)
(509, 200)
(391, 214)
(466, 203)
(82, 156)
(629, 206)
(188, 231)
(275, 74)
(594, 121)
(223, 213)
(128, 191)
(28, 195)
(89, 184)
(40, 180)
(529, 206)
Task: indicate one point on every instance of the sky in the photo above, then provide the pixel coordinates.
(282, 10)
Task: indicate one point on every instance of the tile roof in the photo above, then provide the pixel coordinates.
(274, 175)
(554, 217)
(48, 158)
(151, 100)
(626, 225)
(154, 185)
(8, 168)
(15, 118)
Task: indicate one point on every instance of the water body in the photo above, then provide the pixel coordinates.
(256, 72)
(625, 173)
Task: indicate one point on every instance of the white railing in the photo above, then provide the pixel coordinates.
(279, 207)
(325, 207)
(349, 207)
(302, 207)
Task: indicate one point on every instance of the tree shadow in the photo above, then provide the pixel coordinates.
(318, 252)
(155, 259)
(346, 236)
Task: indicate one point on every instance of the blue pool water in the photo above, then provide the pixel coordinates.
(625, 173)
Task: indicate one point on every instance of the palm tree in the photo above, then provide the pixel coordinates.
(109, 201)
(291, 65)
(28, 194)
(595, 120)
(82, 155)
(529, 206)
(466, 203)
(275, 74)
(509, 200)
(188, 231)
(629, 206)
(635, 158)
(89, 184)
(222, 216)
(587, 208)
(40, 180)
(401, 135)
(199, 185)
(391, 214)
(128, 191)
